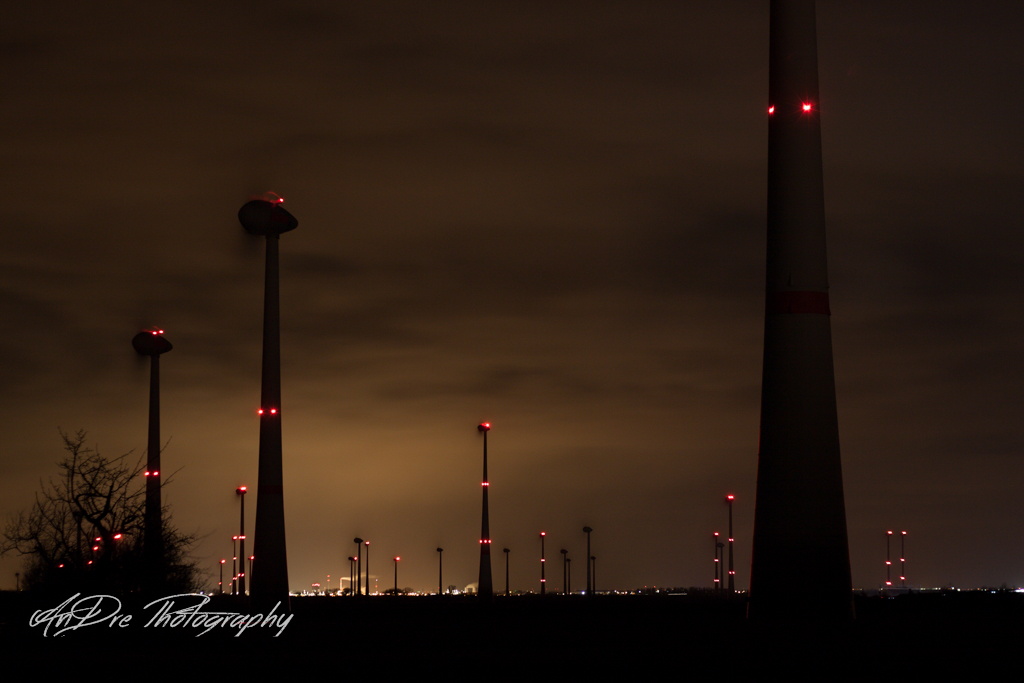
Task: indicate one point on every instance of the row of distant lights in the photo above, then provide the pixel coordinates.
(806, 106)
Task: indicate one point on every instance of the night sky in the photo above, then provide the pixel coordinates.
(549, 215)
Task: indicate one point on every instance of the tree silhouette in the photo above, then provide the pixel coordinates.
(85, 530)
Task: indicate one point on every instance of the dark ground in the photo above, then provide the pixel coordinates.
(640, 636)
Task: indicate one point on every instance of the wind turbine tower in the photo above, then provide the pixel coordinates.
(484, 586)
(269, 581)
(799, 474)
(152, 343)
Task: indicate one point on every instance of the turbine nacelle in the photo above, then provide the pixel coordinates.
(263, 217)
(151, 343)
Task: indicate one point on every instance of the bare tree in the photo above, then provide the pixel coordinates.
(84, 530)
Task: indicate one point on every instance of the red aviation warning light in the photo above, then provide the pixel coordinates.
(806, 106)
(270, 197)
(771, 110)
(484, 426)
